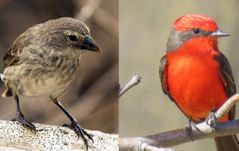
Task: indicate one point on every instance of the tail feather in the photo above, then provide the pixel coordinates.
(227, 143)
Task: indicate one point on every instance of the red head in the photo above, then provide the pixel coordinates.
(196, 31)
(191, 21)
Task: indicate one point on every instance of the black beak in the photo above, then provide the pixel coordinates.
(219, 33)
(90, 45)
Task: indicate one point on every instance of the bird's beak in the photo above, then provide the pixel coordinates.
(219, 33)
(90, 45)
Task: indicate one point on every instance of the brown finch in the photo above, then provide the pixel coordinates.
(43, 61)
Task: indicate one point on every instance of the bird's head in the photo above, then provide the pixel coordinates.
(65, 35)
(194, 30)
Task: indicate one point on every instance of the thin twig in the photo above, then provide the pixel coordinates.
(180, 136)
(176, 137)
(227, 106)
(133, 82)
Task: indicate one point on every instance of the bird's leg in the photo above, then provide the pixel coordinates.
(74, 124)
(190, 127)
(212, 120)
(20, 117)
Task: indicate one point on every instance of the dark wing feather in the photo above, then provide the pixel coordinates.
(10, 58)
(227, 78)
(163, 74)
(227, 143)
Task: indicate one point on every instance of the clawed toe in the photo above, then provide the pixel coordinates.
(21, 119)
(27, 124)
(90, 136)
(80, 132)
(189, 129)
(211, 120)
(74, 125)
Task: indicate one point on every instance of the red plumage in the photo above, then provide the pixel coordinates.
(194, 80)
(195, 74)
(188, 22)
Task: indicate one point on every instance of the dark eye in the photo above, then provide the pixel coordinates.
(196, 31)
(72, 37)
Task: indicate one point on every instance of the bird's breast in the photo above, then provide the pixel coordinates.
(32, 80)
(195, 84)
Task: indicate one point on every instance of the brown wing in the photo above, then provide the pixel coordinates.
(11, 58)
(228, 80)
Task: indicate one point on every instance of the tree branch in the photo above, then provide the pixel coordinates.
(180, 136)
(133, 82)
(13, 137)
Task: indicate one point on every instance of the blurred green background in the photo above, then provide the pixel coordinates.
(144, 29)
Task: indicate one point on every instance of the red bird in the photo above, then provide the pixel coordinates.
(195, 74)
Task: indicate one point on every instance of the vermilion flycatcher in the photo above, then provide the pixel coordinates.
(195, 74)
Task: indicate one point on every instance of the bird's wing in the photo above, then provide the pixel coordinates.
(163, 74)
(227, 78)
(11, 57)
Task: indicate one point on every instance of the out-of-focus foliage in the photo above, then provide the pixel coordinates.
(144, 29)
(92, 97)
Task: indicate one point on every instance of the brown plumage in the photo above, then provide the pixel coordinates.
(43, 61)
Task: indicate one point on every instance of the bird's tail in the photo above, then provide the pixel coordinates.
(227, 143)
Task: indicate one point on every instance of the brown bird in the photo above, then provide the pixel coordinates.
(43, 61)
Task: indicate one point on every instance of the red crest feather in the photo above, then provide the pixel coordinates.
(188, 22)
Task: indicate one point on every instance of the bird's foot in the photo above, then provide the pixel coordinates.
(80, 132)
(190, 127)
(27, 124)
(211, 120)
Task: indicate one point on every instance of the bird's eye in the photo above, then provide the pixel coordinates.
(196, 31)
(72, 37)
